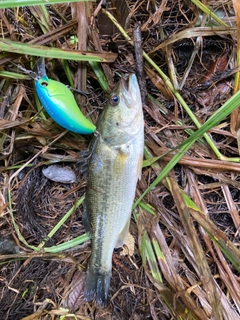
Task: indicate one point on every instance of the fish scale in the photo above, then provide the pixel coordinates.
(113, 171)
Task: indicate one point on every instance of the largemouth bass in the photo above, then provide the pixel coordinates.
(114, 168)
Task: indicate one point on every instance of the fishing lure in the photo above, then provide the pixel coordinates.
(60, 104)
(58, 101)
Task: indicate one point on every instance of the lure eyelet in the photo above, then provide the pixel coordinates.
(44, 84)
(114, 100)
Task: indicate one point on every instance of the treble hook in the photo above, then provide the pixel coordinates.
(85, 94)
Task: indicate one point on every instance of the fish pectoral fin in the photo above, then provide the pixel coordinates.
(123, 234)
(124, 150)
(119, 165)
(83, 162)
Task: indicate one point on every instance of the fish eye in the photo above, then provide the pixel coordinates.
(114, 100)
(44, 84)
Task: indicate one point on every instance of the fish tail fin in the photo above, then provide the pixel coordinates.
(97, 285)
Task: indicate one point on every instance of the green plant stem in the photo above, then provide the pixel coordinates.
(49, 52)
(61, 222)
(208, 11)
(54, 249)
(21, 3)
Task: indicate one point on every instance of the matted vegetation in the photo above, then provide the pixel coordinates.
(182, 260)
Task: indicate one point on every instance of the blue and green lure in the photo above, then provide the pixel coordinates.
(59, 102)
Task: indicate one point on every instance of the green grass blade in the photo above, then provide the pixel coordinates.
(152, 261)
(68, 244)
(62, 221)
(14, 75)
(68, 72)
(102, 80)
(21, 3)
(54, 249)
(20, 236)
(47, 52)
(208, 11)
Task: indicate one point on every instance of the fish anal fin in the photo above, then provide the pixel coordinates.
(123, 234)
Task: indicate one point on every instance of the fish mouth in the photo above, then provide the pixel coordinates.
(130, 90)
